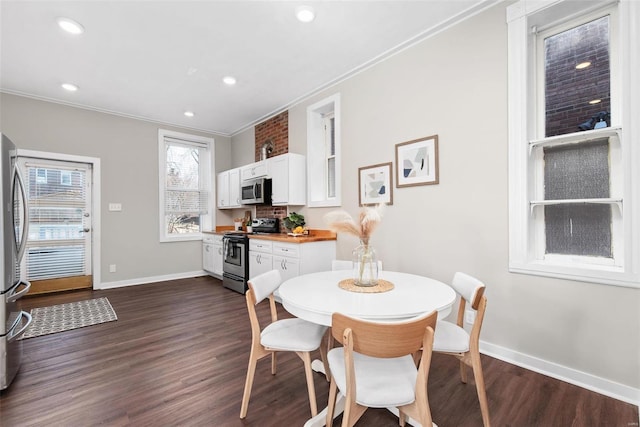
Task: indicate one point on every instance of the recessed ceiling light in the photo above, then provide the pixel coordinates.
(70, 26)
(189, 113)
(229, 80)
(70, 87)
(595, 101)
(305, 13)
(583, 65)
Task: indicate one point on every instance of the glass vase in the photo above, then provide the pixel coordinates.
(365, 266)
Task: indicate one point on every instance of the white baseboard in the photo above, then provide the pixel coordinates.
(145, 280)
(582, 379)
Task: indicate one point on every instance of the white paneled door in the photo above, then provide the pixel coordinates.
(58, 255)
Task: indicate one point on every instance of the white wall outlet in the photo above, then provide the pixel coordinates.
(115, 207)
(469, 316)
(112, 268)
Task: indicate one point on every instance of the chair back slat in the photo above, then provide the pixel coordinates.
(470, 288)
(384, 340)
(265, 284)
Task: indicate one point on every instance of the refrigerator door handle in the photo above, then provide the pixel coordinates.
(25, 227)
(12, 336)
(14, 296)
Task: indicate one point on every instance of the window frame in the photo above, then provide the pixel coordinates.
(526, 122)
(329, 138)
(318, 155)
(206, 220)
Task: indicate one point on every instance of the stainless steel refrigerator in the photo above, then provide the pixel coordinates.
(14, 218)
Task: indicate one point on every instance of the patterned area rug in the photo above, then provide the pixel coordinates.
(64, 317)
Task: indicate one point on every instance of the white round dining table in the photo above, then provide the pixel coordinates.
(316, 296)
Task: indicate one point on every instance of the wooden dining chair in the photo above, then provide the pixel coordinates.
(453, 339)
(376, 368)
(293, 334)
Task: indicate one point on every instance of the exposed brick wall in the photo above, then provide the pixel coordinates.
(568, 91)
(277, 130)
(272, 212)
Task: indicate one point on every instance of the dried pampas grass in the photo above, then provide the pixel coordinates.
(342, 222)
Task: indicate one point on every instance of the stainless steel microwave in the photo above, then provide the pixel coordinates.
(256, 191)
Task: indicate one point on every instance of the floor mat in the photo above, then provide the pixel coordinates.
(64, 317)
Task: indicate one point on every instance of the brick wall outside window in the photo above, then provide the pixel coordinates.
(568, 90)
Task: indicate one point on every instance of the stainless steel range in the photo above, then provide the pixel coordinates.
(235, 248)
(235, 266)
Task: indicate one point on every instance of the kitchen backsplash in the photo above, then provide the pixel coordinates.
(272, 212)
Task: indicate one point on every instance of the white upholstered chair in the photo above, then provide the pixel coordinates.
(453, 339)
(376, 367)
(293, 334)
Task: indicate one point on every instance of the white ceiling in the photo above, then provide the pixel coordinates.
(156, 59)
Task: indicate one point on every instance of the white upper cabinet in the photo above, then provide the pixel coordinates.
(228, 189)
(254, 170)
(288, 179)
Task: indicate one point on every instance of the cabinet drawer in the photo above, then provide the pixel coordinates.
(286, 249)
(211, 238)
(260, 245)
(215, 239)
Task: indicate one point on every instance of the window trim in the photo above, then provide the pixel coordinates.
(317, 180)
(524, 100)
(207, 220)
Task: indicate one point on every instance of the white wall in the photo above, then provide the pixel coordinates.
(128, 153)
(455, 85)
(243, 148)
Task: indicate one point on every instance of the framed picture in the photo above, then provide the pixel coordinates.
(375, 184)
(417, 162)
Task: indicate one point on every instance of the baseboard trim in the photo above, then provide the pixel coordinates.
(582, 379)
(145, 280)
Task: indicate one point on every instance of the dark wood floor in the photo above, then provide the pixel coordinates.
(178, 352)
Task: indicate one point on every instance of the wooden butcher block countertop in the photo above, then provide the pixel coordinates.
(313, 236)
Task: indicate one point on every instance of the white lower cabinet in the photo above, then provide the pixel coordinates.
(291, 259)
(212, 254)
(260, 257)
(289, 267)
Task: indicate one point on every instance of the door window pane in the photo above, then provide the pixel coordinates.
(56, 243)
(577, 79)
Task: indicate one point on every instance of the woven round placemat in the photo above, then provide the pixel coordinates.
(350, 285)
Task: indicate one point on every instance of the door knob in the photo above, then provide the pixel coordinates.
(86, 230)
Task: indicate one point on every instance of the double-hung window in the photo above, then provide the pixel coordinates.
(185, 185)
(574, 140)
(323, 153)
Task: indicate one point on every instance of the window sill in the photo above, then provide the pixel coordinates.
(601, 274)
